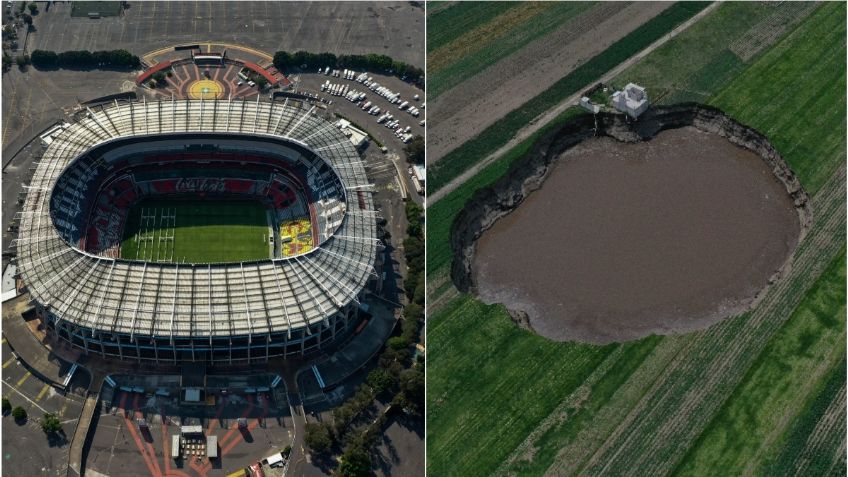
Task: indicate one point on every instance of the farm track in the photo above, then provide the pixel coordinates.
(545, 117)
(465, 110)
(675, 410)
(658, 404)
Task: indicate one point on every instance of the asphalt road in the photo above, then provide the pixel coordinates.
(26, 449)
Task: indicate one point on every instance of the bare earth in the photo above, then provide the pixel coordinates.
(626, 240)
(466, 110)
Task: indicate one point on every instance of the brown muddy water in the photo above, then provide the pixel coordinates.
(625, 240)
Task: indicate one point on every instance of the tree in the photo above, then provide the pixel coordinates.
(415, 150)
(318, 436)
(159, 77)
(44, 59)
(282, 60)
(7, 406)
(50, 424)
(397, 343)
(380, 380)
(33, 8)
(412, 387)
(19, 413)
(355, 462)
(7, 61)
(260, 81)
(27, 18)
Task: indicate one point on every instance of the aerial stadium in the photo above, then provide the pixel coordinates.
(222, 231)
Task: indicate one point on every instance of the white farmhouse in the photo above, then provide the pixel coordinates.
(633, 100)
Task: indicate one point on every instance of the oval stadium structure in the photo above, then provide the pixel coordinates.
(142, 302)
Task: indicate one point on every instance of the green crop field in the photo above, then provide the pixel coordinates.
(759, 394)
(196, 231)
(476, 35)
(499, 133)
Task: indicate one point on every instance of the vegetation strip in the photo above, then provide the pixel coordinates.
(501, 131)
(812, 341)
(445, 25)
(477, 50)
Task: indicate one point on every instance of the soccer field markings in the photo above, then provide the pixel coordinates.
(167, 229)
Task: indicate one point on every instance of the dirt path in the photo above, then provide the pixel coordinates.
(548, 115)
(470, 107)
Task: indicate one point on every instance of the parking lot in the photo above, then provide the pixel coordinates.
(26, 448)
(311, 83)
(391, 28)
(121, 447)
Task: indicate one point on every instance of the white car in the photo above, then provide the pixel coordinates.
(251, 84)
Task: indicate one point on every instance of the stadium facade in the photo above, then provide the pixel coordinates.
(68, 247)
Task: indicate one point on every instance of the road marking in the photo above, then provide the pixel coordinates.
(23, 379)
(24, 396)
(11, 110)
(42, 392)
(9, 361)
(63, 409)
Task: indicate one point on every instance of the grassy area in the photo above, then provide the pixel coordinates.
(752, 422)
(795, 451)
(746, 391)
(796, 74)
(486, 348)
(205, 231)
(484, 43)
(499, 133)
(795, 95)
(672, 74)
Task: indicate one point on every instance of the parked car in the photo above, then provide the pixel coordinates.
(256, 470)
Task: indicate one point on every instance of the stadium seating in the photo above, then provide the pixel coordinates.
(287, 189)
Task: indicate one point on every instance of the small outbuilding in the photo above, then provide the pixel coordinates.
(633, 100)
(212, 447)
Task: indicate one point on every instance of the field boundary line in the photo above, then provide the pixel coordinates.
(547, 116)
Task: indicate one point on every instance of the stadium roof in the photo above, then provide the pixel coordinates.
(215, 300)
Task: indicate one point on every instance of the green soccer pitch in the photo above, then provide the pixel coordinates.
(196, 231)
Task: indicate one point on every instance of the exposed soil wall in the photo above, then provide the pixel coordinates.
(529, 172)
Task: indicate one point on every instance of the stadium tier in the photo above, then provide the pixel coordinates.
(307, 174)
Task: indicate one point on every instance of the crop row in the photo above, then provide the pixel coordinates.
(501, 131)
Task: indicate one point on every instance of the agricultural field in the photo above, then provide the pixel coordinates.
(196, 231)
(499, 133)
(471, 37)
(762, 393)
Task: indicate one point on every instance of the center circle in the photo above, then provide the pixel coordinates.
(205, 89)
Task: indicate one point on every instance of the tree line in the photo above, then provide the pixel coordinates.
(398, 379)
(84, 59)
(284, 60)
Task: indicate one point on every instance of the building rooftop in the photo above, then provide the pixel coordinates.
(181, 300)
